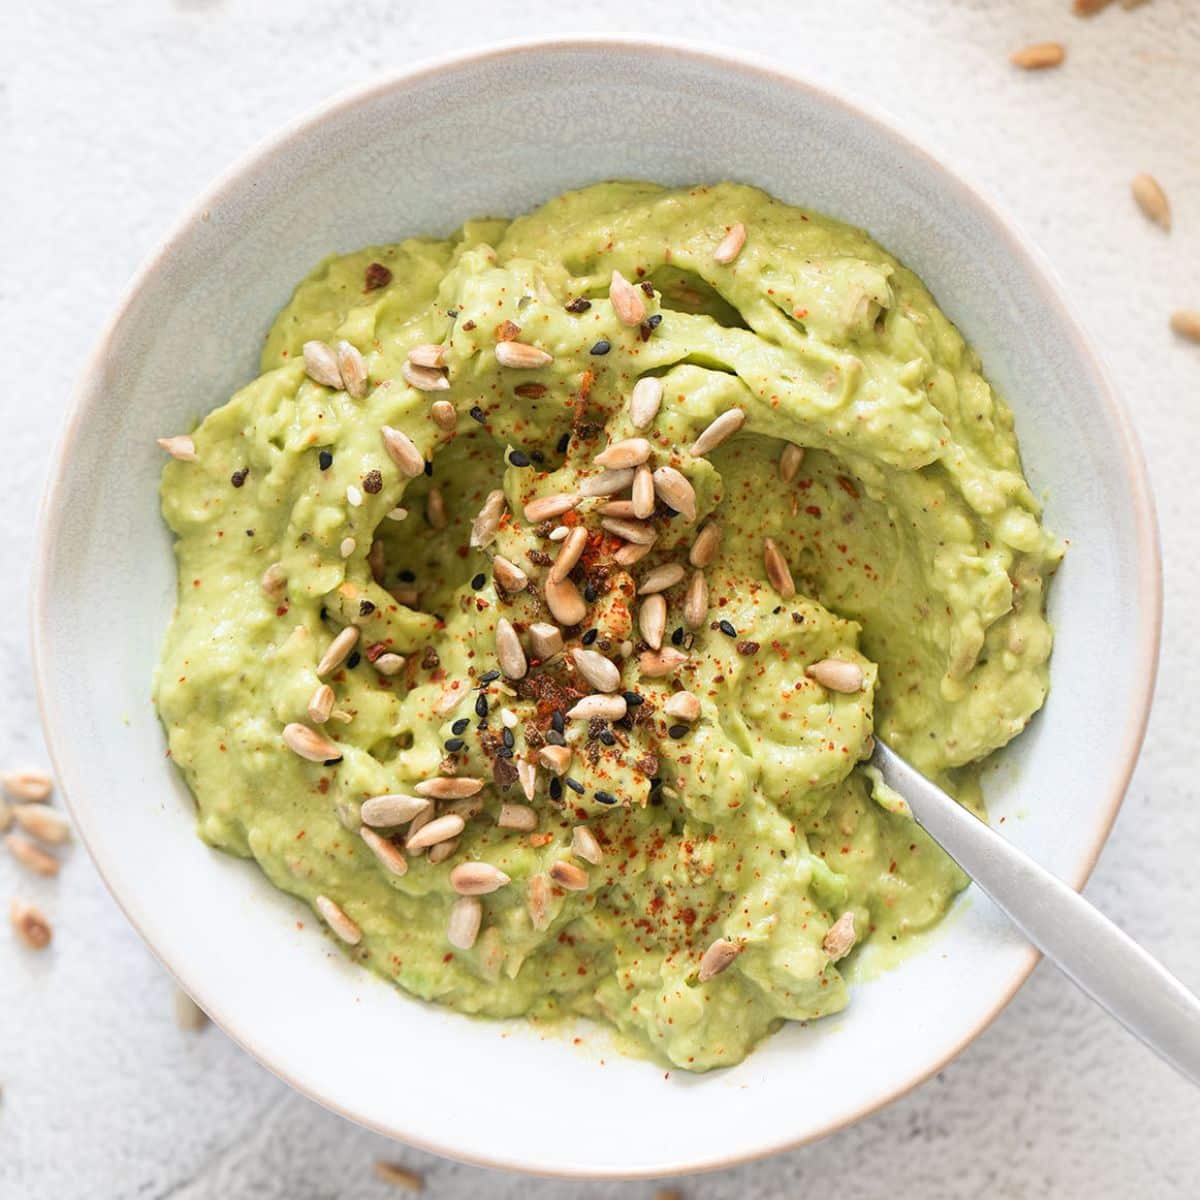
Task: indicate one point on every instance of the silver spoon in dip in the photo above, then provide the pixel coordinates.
(1102, 960)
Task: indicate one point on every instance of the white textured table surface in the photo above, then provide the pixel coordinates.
(114, 113)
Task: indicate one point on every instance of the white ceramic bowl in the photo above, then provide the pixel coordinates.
(497, 132)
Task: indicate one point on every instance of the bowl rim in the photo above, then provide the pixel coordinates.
(1148, 561)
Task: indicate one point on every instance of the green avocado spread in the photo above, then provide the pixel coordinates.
(539, 599)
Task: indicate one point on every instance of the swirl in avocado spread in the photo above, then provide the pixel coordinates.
(538, 600)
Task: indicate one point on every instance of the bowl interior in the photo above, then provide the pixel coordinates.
(413, 155)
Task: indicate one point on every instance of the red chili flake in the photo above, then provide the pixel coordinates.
(531, 391)
(375, 650)
(377, 276)
(537, 840)
(373, 482)
(687, 916)
(847, 486)
(323, 786)
(507, 331)
(281, 611)
(468, 326)
(812, 510)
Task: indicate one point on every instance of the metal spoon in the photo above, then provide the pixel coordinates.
(1107, 964)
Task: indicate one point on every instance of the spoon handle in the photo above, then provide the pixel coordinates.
(1105, 962)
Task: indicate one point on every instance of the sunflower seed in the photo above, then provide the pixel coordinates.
(585, 846)
(423, 379)
(440, 829)
(347, 547)
(704, 548)
(435, 508)
(1152, 200)
(392, 809)
(1039, 56)
(390, 857)
(618, 508)
(335, 917)
(631, 553)
(521, 356)
(599, 671)
(564, 602)
(645, 401)
(468, 808)
(1089, 8)
(466, 913)
(443, 414)
(321, 365)
(30, 855)
(403, 451)
(604, 708)
(836, 675)
(1186, 323)
(545, 640)
(546, 508)
(443, 850)
(537, 900)
(659, 578)
(728, 423)
(527, 777)
(353, 370)
(28, 784)
(309, 744)
(338, 651)
(273, 581)
(607, 483)
(683, 706)
(508, 575)
(428, 354)
(626, 300)
(509, 651)
(555, 758)
(180, 446)
(654, 664)
(487, 522)
(675, 491)
(477, 879)
(389, 664)
(517, 816)
(30, 925)
(568, 554)
(44, 823)
(695, 601)
(637, 532)
(652, 620)
(789, 462)
(730, 246)
(840, 939)
(716, 958)
(568, 875)
(628, 453)
(449, 787)
(778, 571)
(643, 492)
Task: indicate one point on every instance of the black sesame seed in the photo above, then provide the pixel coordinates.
(558, 720)
(478, 581)
(605, 798)
(429, 469)
(607, 737)
(537, 456)
(477, 414)
(239, 477)
(452, 313)
(677, 731)
(407, 576)
(573, 784)
(325, 460)
(508, 738)
(655, 321)
(589, 593)
(481, 705)
(655, 782)
(677, 635)
(555, 789)
(249, 532)
(518, 458)
(365, 608)
(726, 628)
(353, 660)
(578, 305)
(504, 752)
(603, 346)
(563, 443)
(589, 637)
(632, 699)
(454, 744)
(460, 726)
(555, 737)
(489, 676)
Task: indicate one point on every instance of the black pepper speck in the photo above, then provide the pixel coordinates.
(239, 477)
(353, 660)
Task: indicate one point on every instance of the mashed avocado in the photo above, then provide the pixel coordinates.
(538, 601)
